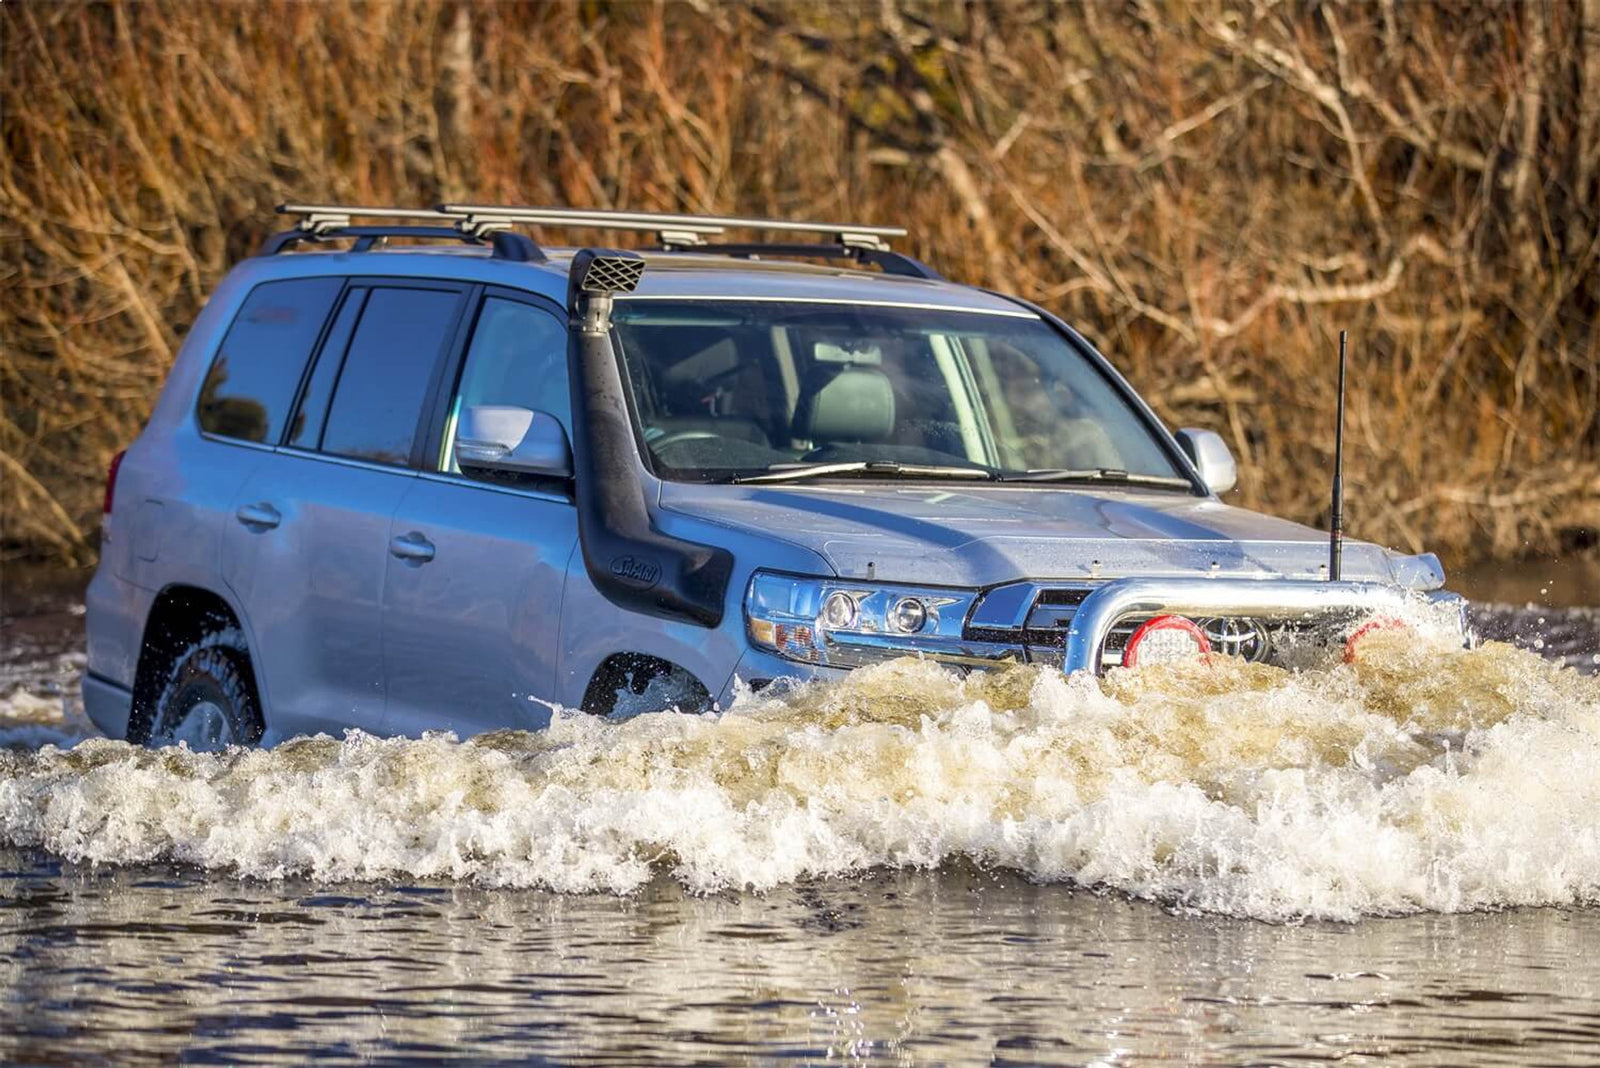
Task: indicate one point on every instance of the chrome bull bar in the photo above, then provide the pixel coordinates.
(1268, 599)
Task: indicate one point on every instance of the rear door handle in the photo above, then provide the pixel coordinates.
(259, 516)
(412, 547)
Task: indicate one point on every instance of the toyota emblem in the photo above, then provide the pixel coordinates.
(1244, 638)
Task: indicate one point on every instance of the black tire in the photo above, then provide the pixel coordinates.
(209, 699)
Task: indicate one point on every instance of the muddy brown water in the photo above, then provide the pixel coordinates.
(1391, 862)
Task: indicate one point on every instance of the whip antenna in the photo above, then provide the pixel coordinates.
(1336, 523)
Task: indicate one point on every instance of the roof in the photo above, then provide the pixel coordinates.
(686, 275)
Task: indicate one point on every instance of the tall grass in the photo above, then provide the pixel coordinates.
(1209, 190)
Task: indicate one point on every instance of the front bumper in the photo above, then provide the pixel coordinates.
(107, 704)
(757, 669)
(1278, 600)
(1083, 627)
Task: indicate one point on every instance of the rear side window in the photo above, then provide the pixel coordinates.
(377, 403)
(250, 387)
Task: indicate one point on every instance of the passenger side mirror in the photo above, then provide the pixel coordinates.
(1211, 458)
(509, 440)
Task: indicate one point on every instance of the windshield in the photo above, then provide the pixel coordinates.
(726, 390)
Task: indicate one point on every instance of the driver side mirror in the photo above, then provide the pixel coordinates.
(1211, 458)
(503, 439)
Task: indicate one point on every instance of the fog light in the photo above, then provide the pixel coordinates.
(839, 611)
(908, 616)
(1352, 644)
(1166, 640)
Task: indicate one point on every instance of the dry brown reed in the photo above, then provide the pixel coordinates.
(1210, 190)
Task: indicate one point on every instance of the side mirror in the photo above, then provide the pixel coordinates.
(508, 440)
(1211, 458)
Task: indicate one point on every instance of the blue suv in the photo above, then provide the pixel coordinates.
(456, 482)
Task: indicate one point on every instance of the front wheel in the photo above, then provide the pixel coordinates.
(208, 702)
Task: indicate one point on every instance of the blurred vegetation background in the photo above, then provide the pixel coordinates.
(1209, 190)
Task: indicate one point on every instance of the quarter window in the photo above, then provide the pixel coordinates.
(378, 401)
(305, 429)
(251, 384)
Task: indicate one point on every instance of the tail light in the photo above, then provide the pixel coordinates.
(1352, 644)
(1166, 640)
(111, 481)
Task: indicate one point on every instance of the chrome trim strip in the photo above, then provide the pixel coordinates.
(456, 480)
(240, 442)
(1004, 313)
(870, 648)
(346, 461)
(1257, 598)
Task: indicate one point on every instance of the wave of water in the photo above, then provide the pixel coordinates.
(1418, 778)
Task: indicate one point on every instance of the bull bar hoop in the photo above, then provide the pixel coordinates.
(1276, 599)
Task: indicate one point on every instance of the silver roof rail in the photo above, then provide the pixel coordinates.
(676, 230)
(321, 218)
(476, 222)
(322, 221)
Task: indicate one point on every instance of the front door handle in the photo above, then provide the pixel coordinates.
(258, 517)
(412, 548)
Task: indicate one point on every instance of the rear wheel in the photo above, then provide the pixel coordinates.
(208, 702)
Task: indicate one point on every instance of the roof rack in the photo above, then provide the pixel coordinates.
(886, 260)
(676, 233)
(320, 222)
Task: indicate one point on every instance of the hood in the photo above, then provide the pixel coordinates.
(985, 535)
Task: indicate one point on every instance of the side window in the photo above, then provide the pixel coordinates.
(250, 387)
(518, 356)
(386, 374)
(305, 429)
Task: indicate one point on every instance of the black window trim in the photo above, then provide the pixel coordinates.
(348, 293)
(467, 292)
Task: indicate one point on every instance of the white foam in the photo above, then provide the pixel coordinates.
(29, 719)
(1418, 778)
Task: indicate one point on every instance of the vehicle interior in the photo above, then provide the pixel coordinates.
(726, 388)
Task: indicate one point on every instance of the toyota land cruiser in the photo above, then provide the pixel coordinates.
(453, 483)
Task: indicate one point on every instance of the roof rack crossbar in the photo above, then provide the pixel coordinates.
(319, 222)
(321, 217)
(473, 222)
(853, 235)
(886, 260)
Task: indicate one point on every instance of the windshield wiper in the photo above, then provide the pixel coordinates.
(1094, 474)
(883, 468)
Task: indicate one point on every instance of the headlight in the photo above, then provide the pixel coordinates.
(843, 623)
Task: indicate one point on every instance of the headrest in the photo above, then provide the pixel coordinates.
(855, 404)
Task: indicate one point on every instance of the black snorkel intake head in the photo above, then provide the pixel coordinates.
(634, 565)
(596, 276)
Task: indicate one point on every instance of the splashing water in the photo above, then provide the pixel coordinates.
(1417, 778)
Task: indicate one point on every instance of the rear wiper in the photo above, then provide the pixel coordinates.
(883, 468)
(1094, 474)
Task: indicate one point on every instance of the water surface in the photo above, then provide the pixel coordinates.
(1390, 861)
(946, 967)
